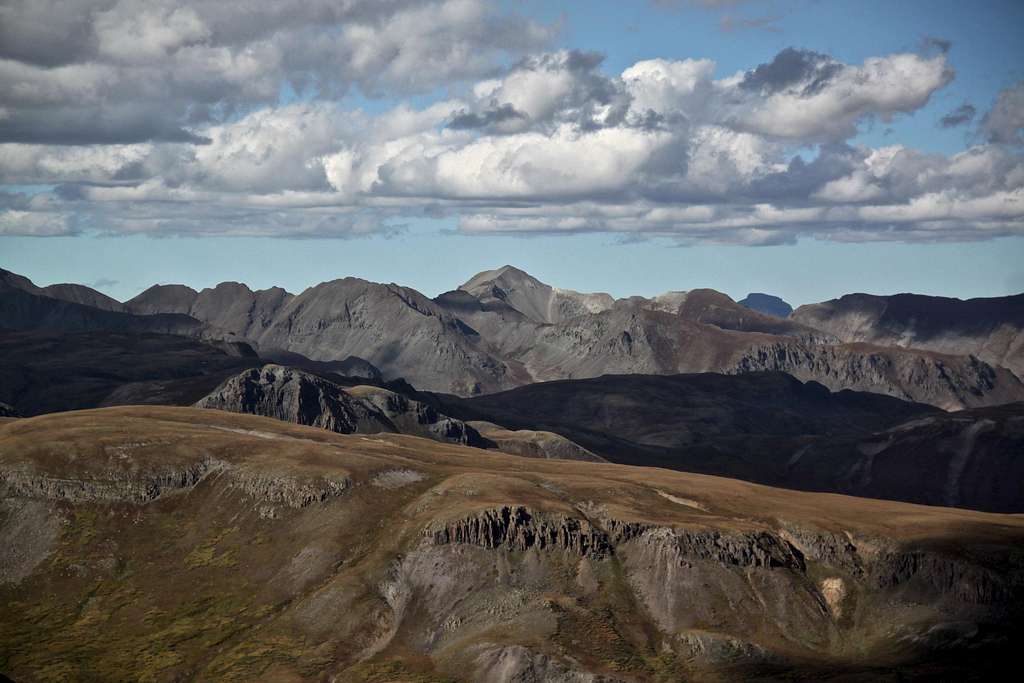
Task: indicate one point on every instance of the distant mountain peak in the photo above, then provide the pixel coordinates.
(769, 304)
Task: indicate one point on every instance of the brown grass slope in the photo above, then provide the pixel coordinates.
(160, 544)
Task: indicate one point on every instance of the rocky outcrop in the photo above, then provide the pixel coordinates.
(301, 397)
(741, 549)
(949, 382)
(295, 396)
(419, 419)
(115, 485)
(283, 489)
(948, 577)
(883, 565)
(520, 528)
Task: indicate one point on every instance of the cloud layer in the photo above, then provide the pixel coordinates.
(186, 118)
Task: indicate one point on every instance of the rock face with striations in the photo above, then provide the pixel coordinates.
(991, 329)
(295, 396)
(303, 398)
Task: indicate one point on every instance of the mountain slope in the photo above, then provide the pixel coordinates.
(163, 299)
(230, 306)
(991, 329)
(635, 340)
(48, 371)
(539, 302)
(771, 428)
(397, 329)
(23, 306)
(169, 543)
(80, 294)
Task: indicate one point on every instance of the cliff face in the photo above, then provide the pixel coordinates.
(133, 532)
(295, 396)
(303, 398)
(949, 382)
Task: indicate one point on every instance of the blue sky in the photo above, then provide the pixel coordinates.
(435, 254)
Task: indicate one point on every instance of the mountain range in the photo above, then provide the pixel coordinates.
(508, 482)
(689, 381)
(504, 328)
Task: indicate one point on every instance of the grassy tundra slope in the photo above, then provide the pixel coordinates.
(159, 544)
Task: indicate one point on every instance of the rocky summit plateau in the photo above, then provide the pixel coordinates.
(507, 482)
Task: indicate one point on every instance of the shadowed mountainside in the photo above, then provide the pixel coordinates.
(771, 428)
(162, 543)
(347, 407)
(44, 371)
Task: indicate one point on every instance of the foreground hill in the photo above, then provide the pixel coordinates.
(774, 429)
(991, 329)
(170, 543)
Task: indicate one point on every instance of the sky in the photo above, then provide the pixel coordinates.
(801, 148)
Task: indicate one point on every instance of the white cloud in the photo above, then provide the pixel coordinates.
(548, 144)
(832, 107)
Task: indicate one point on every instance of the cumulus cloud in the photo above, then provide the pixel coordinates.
(129, 71)
(188, 133)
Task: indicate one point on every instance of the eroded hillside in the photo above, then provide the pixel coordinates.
(169, 543)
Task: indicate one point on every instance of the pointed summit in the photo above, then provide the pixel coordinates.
(536, 300)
